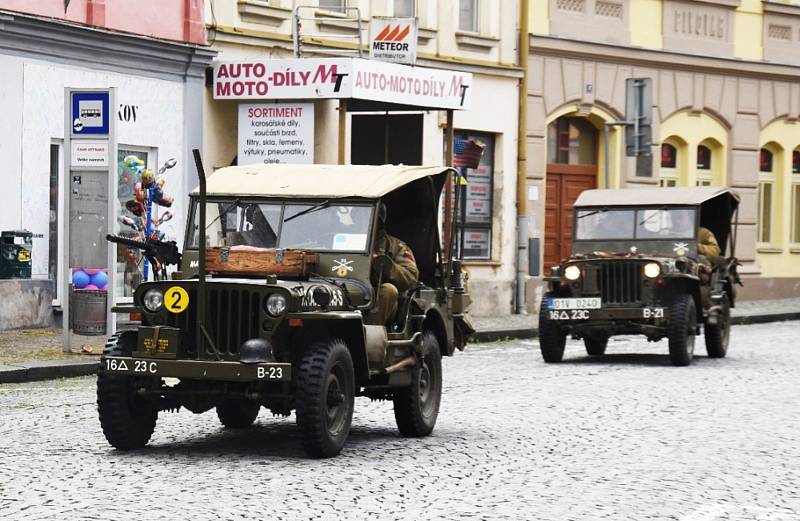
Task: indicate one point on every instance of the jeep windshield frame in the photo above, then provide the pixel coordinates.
(262, 223)
(635, 223)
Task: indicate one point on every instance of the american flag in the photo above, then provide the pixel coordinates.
(467, 153)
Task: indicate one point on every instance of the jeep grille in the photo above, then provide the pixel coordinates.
(233, 316)
(620, 282)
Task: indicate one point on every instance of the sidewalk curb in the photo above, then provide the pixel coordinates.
(493, 335)
(47, 370)
(32, 371)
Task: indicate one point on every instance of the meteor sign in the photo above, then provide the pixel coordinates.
(393, 40)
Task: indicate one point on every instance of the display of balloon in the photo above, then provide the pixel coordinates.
(80, 279)
(99, 279)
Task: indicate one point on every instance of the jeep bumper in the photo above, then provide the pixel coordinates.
(197, 369)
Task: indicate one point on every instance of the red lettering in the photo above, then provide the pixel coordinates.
(223, 71)
(223, 89)
(325, 74)
(259, 70)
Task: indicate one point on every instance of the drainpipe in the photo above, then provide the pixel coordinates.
(522, 160)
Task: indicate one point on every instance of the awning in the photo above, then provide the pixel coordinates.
(323, 181)
(367, 81)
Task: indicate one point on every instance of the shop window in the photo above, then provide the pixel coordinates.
(129, 264)
(405, 8)
(474, 225)
(54, 258)
(468, 15)
(338, 6)
(572, 141)
(669, 156)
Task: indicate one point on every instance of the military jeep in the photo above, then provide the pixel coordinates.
(635, 269)
(271, 309)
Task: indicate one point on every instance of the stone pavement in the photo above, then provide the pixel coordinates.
(622, 437)
(36, 354)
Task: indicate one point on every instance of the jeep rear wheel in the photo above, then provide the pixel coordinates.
(551, 338)
(416, 407)
(237, 414)
(717, 335)
(681, 330)
(127, 420)
(596, 345)
(324, 396)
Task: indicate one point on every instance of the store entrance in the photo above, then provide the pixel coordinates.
(378, 139)
(571, 168)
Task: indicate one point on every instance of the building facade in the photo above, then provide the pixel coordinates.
(477, 37)
(725, 110)
(152, 53)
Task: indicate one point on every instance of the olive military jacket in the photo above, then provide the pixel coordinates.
(707, 245)
(403, 272)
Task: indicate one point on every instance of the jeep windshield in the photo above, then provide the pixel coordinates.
(318, 226)
(652, 223)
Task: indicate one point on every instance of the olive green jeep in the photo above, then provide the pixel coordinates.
(272, 309)
(635, 268)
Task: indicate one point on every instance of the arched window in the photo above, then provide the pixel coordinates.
(668, 176)
(796, 162)
(766, 191)
(796, 196)
(703, 157)
(572, 141)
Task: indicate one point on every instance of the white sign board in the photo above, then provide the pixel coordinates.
(325, 78)
(393, 40)
(276, 133)
(89, 154)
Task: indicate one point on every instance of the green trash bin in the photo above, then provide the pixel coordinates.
(15, 254)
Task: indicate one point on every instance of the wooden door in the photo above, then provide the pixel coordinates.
(564, 183)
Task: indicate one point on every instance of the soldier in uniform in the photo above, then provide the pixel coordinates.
(707, 245)
(394, 267)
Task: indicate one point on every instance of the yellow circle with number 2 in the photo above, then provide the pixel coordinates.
(176, 300)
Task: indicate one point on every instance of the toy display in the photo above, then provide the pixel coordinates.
(89, 279)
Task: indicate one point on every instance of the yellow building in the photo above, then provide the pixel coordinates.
(726, 111)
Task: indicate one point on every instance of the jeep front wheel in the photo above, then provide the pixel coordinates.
(718, 334)
(237, 414)
(681, 330)
(324, 397)
(551, 337)
(416, 407)
(127, 420)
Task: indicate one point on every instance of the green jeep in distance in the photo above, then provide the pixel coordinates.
(635, 269)
(270, 309)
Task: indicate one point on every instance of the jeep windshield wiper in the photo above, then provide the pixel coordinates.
(318, 206)
(224, 212)
(590, 213)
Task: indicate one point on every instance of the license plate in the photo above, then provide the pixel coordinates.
(574, 303)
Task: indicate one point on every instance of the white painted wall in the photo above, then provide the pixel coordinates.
(32, 105)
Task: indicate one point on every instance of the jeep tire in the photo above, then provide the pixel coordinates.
(416, 407)
(551, 338)
(681, 330)
(324, 396)
(237, 413)
(595, 345)
(717, 335)
(127, 420)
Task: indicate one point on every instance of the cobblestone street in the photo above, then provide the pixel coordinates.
(625, 436)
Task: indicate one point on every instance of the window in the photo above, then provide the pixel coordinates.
(468, 15)
(572, 141)
(130, 263)
(766, 183)
(668, 175)
(669, 156)
(703, 157)
(474, 225)
(796, 212)
(405, 8)
(796, 162)
(339, 6)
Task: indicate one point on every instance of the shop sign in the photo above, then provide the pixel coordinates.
(89, 154)
(476, 243)
(276, 133)
(324, 78)
(393, 39)
(283, 79)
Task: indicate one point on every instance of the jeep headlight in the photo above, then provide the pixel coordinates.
(652, 270)
(153, 300)
(572, 272)
(276, 304)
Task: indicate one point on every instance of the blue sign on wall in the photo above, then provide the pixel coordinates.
(90, 113)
